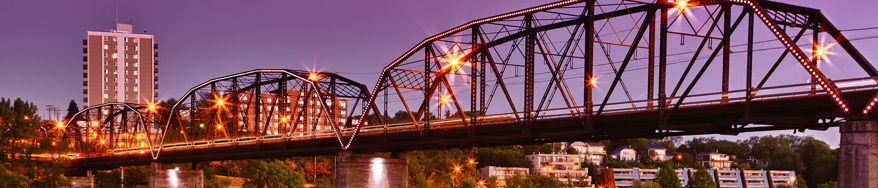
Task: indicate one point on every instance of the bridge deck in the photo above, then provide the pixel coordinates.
(801, 112)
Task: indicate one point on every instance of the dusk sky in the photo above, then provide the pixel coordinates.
(41, 41)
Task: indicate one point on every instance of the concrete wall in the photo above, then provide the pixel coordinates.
(174, 178)
(858, 154)
(361, 172)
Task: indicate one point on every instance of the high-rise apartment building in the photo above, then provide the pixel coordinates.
(120, 66)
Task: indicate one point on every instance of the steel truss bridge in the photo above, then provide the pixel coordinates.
(568, 70)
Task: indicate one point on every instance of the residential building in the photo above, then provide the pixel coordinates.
(120, 66)
(625, 177)
(564, 167)
(781, 177)
(592, 152)
(657, 152)
(502, 173)
(726, 178)
(713, 160)
(280, 120)
(625, 153)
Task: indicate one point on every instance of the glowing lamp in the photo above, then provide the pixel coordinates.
(681, 4)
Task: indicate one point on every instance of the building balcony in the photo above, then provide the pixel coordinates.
(85, 58)
(84, 50)
(155, 46)
(155, 54)
(85, 99)
(84, 41)
(84, 75)
(156, 78)
(84, 83)
(156, 70)
(85, 91)
(84, 66)
(156, 62)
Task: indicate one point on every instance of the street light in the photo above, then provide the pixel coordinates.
(681, 4)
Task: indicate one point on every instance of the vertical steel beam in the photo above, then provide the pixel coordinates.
(257, 103)
(749, 95)
(650, 81)
(663, 62)
(588, 68)
(530, 42)
(427, 75)
(815, 58)
(727, 19)
(474, 77)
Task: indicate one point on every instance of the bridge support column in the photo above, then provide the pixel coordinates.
(858, 154)
(371, 171)
(173, 178)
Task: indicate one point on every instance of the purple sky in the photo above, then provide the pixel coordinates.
(40, 41)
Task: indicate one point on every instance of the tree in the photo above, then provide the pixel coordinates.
(800, 182)
(571, 150)
(72, 109)
(702, 179)
(271, 173)
(540, 180)
(491, 182)
(829, 184)
(667, 178)
(11, 179)
(645, 184)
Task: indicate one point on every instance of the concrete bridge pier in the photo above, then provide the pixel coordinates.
(174, 178)
(858, 154)
(360, 172)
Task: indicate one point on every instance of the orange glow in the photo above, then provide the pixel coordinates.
(102, 141)
(457, 169)
(443, 99)
(679, 157)
(53, 143)
(283, 119)
(201, 125)
(60, 125)
(593, 81)
(471, 161)
(313, 76)
(220, 102)
(682, 4)
(219, 126)
(26, 117)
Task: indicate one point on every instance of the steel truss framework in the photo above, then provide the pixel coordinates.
(532, 69)
(555, 45)
(252, 104)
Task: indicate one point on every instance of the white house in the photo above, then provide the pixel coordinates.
(625, 153)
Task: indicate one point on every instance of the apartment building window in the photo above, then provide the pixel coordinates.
(135, 48)
(135, 72)
(126, 72)
(106, 46)
(126, 89)
(126, 47)
(105, 38)
(106, 87)
(115, 55)
(134, 40)
(135, 56)
(135, 88)
(106, 79)
(114, 88)
(114, 72)
(126, 80)
(106, 96)
(106, 54)
(115, 80)
(126, 39)
(106, 71)
(114, 63)
(126, 56)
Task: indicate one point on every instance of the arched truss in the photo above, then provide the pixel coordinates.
(585, 58)
(251, 105)
(95, 130)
